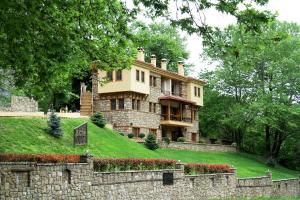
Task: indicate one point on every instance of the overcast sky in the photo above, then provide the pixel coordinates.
(288, 10)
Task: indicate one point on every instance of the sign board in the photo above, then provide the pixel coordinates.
(168, 179)
(80, 135)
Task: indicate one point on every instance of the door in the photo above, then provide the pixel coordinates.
(194, 137)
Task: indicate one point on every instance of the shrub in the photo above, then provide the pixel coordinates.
(123, 164)
(121, 133)
(40, 158)
(166, 140)
(151, 142)
(193, 168)
(54, 125)
(201, 141)
(180, 139)
(271, 162)
(130, 135)
(141, 135)
(98, 119)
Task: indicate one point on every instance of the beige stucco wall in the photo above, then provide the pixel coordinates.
(191, 96)
(128, 82)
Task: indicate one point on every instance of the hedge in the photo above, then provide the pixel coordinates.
(40, 158)
(194, 168)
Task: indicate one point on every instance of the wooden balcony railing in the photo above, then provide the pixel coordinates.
(176, 118)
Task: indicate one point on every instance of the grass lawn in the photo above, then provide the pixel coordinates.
(27, 135)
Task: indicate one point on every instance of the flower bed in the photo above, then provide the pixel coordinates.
(40, 158)
(194, 168)
(123, 164)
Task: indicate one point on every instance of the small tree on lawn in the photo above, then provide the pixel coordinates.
(98, 119)
(151, 142)
(54, 125)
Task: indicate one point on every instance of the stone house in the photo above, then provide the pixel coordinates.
(148, 99)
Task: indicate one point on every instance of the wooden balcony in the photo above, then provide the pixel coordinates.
(175, 120)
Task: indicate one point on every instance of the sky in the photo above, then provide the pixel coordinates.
(288, 10)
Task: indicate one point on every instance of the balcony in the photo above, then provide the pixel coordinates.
(175, 120)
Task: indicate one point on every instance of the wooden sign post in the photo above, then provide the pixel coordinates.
(81, 135)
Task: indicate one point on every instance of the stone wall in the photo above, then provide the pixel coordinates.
(80, 181)
(21, 104)
(200, 147)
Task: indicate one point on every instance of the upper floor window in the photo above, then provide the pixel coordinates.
(150, 106)
(143, 77)
(153, 81)
(119, 75)
(138, 104)
(137, 75)
(133, 104)
(197, 91)
(121, 104)
(109, 75)
(113, 104)
(154, 107)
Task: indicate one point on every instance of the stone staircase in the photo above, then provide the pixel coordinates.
(86, 103)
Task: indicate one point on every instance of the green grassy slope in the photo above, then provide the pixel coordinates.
(27, 135)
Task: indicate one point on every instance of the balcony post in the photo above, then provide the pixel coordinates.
(169, 111)
(192, 113)
(181, 112)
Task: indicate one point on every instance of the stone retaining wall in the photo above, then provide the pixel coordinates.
(21, 104)
(80, 181)
(199, 147)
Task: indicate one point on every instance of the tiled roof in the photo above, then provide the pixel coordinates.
(176, 98)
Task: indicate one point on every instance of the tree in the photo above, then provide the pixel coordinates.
(150, 142)
(163, 41)
(190, 14)
(54, 125)
(261, 73)
(45, 43)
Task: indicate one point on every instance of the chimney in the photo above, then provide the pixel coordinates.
(180, 66)
(163, 64)
(153, 60)
(140, 54)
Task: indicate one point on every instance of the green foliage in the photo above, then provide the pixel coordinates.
(253, 95)
(46, 43)
(141, 135)
(166, 140)
(162, 40)
(130, 135)
(98, 119)
(150, 142)
(180, 139)
(122, 134)
(54, 127)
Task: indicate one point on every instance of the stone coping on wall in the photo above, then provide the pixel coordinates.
(40, 114)
(139, 171)
(200, 147)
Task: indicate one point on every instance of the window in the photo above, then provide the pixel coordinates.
(137, 75)
(121, 104)
(197, 91)
(119, 75)
(154, 107)
(138, 104)
(153, 131)
(153, 81)
(113, 104)
(136, 131)
(150, 107)
(133, 104)
(143, 77)
(109, 76)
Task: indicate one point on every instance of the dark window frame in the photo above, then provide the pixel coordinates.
(113, 104)
(122, 103)
(143, 76)
(137, 75)
(110, 75)
(138, 104)
(119, 75)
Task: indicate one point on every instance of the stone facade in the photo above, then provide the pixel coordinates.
(199, 147)
(21, 104)
(80, 181)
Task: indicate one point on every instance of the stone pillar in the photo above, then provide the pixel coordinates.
(95, 82)
(87, 158)
(269, 174)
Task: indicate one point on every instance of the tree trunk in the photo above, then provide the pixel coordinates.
(268, 140)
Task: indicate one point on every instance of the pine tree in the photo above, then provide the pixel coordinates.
(54, 125)
(151, 142)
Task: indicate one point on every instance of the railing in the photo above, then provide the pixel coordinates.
(169, 93)
(176, 118)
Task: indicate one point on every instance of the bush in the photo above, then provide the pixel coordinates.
(151, 142)
(98, 119)
(193, 168)
(201, 141)
(40, 158)
(121, 133)
(54, 125)
(271, 162)
(123, 164)
(130, 135)
(141, 135)
(180, 139)
(166, 140)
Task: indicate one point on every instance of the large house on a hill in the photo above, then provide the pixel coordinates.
(148, 99)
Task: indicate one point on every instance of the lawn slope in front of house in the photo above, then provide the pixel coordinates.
(28, 135)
